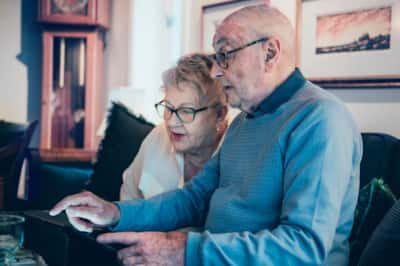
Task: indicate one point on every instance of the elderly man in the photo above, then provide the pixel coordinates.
(282, 189)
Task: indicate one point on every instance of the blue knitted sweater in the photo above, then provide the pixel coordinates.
(281, 191)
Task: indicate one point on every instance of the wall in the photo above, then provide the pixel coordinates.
(116, 54)
(20, 93)
(375, 110)
(20, 67)
(13, 87)
(144, 40)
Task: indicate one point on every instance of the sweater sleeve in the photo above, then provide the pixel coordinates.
(321, 157)
(175, 209)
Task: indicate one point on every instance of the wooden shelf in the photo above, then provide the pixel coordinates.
(67, 155)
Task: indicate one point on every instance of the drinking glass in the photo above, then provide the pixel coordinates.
(11, 237)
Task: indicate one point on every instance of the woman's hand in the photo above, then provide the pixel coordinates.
(86, 211)
(148, 248)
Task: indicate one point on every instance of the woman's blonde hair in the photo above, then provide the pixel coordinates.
(194, 69)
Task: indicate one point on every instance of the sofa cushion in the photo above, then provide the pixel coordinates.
(123, 137)
(383, 247)
(9, 133)
(381, 157)
(374, 200)
(56, 182)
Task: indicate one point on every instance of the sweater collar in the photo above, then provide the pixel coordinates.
(280, 95)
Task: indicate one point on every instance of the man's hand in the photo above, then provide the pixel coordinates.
(85, 211)
(149, 248)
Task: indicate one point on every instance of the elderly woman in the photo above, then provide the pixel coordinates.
(194, 111)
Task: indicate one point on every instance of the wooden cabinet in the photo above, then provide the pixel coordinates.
(72, 73)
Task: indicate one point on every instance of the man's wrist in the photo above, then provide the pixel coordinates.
(178, 243)
(116, 214)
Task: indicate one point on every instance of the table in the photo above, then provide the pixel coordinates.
(26, 257)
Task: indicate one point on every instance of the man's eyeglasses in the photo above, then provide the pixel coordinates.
(184, 114)
(222, 57)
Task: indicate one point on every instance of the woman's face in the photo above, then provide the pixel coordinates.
(193, 136)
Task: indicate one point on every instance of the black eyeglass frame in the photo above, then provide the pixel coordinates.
(176, 111)
(221, 58)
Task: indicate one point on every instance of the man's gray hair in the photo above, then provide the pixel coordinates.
(265, 21)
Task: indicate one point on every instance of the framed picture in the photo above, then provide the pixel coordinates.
(343, 44)
(213, 14)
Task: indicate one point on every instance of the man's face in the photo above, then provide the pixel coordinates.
(244, 68)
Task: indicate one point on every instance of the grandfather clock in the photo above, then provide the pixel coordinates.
(72, 72)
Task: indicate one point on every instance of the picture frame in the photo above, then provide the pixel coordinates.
(349, 44)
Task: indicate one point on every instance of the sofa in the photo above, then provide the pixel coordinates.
(381, 159)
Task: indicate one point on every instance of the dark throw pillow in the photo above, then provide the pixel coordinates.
(383, 247)
(9, 133)
(374, 200)
(123, 137)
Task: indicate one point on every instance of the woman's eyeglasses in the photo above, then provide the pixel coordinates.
(184, 114)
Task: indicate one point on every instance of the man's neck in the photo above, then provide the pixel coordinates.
(270, 84)
(200, 156)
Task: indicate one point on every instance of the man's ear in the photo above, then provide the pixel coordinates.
(272, 50)
(270, 54)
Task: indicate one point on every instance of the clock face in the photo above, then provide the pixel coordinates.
(76, 7)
